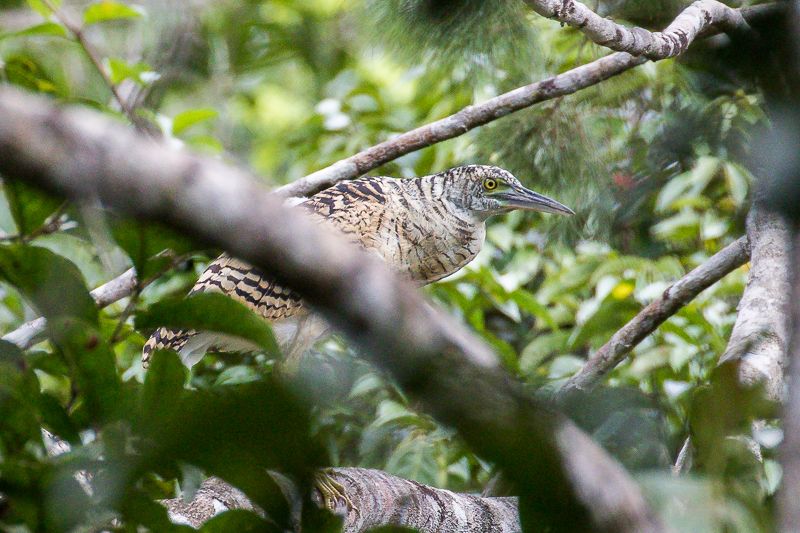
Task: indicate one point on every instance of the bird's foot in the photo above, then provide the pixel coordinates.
(332, 492)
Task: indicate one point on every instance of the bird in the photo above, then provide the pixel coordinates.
(426, 228)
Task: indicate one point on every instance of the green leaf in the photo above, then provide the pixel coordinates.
(94, 366)
(163, 384)
(210, 312)
(107, 10)
(53, 283)
(41, 8)
(18, 423)
(191, 117)
(29, 206)
(10, 352)
(121, 70)
(46, 28)
(239, 520)
(237, 432)
(55, 419)
(143, 241)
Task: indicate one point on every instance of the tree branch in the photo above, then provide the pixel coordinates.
(473, 116)
(674, 298)
(673, 41)
(465, 120)
(375, 499)
(760, 336)
(78, 153)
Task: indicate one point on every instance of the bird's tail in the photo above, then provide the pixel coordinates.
(165, 339)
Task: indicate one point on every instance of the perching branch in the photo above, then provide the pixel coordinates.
(471, 117)
(760, 336)
(78, 153)
(673, 41)
(674, 298)
(376, 499)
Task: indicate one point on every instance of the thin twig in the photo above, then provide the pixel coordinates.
(674, 298)
(53, 224)
(78, 33)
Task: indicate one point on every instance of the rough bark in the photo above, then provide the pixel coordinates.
(79, 154)
(674, 298)
(760, 336)
(376, 499)
(673, 41)
(789, 494)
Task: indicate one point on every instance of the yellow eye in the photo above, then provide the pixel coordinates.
(489, 184)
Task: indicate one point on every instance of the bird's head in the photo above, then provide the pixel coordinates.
(491, 191)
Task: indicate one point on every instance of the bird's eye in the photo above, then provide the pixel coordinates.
(489, 184)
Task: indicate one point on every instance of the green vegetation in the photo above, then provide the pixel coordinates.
(653, 161)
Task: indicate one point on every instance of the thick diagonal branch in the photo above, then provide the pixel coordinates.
(78, 153)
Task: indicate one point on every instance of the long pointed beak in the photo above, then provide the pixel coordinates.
(527, 200)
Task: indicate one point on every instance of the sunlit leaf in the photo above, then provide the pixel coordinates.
(46, 28)
(107, 10)
(191, 117)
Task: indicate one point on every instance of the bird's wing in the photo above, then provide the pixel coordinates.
(245, 283)
(242, 282)
(353, 208)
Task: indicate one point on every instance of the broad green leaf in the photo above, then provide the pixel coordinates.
(120, 70)
(210, 312)
(41, 8)
(56, 419)
(738, 182)
(94, 366)
(18, 424)
(191, 117)
(138, 508)
(46, 28)
(237, 432)
(107, 10)
(29, 206)
(9, 352)
(241, 521)
(53, 283)
(144, 241)
(163, 384)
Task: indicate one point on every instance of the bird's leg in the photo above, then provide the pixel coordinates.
(332, 492)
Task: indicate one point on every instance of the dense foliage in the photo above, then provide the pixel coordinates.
(654, 163)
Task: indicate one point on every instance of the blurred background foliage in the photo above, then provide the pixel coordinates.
(655, 163)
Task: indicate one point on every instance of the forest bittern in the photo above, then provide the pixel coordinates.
(426, 228)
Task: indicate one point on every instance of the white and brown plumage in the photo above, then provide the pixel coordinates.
(426, 228)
